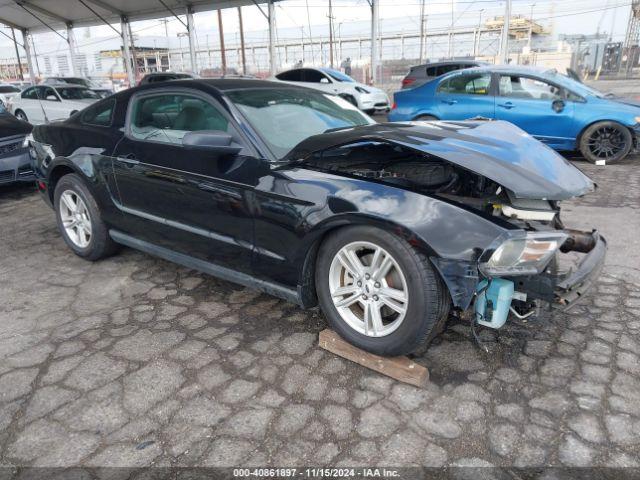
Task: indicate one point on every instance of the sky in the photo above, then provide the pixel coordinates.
(309, 18)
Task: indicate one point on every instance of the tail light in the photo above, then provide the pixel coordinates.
(407, 81)
(394, 105)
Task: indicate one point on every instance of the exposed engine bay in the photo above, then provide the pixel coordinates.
(406, 168)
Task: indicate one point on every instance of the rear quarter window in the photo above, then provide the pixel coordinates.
(100, 114)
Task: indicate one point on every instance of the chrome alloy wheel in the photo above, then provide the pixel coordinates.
(75, 218)
(368, 288)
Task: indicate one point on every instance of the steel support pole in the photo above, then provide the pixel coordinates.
(71, 40)
(242, 51)
(504, 39)
(192, 39)
(375, 18)
(126, 53)
(223, 55)
(27, 51)
(15, 44)
(272, 38)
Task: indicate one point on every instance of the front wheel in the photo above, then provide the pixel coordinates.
(608, 141)
(20, 115)
(378, 292)
(79, 219)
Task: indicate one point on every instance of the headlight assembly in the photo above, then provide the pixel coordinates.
(362, 90)
(528, 255)
(27, 139)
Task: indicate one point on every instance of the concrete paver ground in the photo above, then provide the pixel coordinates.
(134, 361)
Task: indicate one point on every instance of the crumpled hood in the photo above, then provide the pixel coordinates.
(497, 150)
(10, 126)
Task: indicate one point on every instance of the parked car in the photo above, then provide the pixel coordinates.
(7, 92)
(366, 98)
(15, 162)
(298, 194)
(564, 114)
(50, 102)
(93, 85)
(166, 77)
(421, 74)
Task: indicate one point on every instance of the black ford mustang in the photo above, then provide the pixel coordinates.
(295, 192)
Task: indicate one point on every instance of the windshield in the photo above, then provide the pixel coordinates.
(339, 76)
(75, 93)
(8, 89)
(284, 117)
(2, 109)
(576, 87)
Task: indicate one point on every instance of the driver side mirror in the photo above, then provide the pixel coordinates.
(557, 105)
(51, 98)
(212, 140)
(324, 80)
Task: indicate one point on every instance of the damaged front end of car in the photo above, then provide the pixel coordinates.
(501, 174)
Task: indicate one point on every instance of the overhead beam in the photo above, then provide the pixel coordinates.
(10, 24)
(106, 6)
(43, 11)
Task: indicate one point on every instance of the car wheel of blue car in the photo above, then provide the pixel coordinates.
(608, 141)
(378, 292)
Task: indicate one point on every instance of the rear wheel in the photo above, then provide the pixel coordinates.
(608, 141)
(79, 219)
(378, 292)
(21, 115)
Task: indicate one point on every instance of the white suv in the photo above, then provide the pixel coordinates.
(366, 98)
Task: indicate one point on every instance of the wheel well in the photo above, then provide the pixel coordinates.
(425, 115)
(56, 174)
(579, 136)
(307, 278)
(73, 113)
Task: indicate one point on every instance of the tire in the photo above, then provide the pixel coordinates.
(21, 115)
(97, 243)
(425, 118)
(609, 141)
(426, 299)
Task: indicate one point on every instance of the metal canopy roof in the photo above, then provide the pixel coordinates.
(34, 14)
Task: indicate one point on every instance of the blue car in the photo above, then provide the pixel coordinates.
(561, 112)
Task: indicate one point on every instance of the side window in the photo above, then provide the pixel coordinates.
(47, 93)
(466, 84)
(290, 76)
(431, 72)
(30, 93)
(315, 76)
(573, 97)
(527, 87)
(99, 114)
(167, 118)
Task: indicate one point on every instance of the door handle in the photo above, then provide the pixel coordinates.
(129, 159)
(507, 105)
(450, 102)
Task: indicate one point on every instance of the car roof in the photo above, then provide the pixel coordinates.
(213, 85)
(450, 62)
(517, 69)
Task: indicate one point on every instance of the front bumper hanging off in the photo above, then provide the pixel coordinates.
(571, 286)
